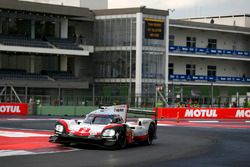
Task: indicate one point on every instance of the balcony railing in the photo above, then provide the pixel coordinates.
(191, 50)
(179, 77)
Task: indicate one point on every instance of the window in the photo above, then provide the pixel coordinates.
(212, 43)
(170, 69)
(171, 40)
(211, 70)
(190, 69)
(191, 42)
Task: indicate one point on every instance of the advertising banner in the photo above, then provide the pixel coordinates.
(13, 109)
(204, 113)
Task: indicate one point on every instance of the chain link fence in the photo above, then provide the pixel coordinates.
(145, 101)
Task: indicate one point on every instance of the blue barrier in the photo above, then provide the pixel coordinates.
(208, 51)
(208, 78)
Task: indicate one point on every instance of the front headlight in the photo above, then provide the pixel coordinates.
(59, 128)
(108, 133)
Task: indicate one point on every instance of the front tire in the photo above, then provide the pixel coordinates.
(121, 139)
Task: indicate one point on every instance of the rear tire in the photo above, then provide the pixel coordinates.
(66, 144)
(151, 134)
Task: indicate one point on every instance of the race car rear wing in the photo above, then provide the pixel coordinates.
(152, 114)
(125, 112)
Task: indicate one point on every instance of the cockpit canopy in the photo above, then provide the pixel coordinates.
(103, 119)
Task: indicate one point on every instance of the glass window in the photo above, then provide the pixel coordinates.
(171, 40)
(211, 70)
(191, 42)
(190, 69)
(170, 69)
(114, 64)
(115, 32)
(212, 43)
(152, 64)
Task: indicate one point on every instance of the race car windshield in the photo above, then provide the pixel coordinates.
(89, 119)
(101, 120)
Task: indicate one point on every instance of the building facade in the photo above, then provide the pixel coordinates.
(128, 61)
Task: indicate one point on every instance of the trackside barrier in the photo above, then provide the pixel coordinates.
(65, 110)
(146, 113)
(204, 113)
(13, 109)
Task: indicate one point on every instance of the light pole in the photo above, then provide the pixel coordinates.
(212, 94)
(130, 63)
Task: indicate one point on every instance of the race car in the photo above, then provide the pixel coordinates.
(107, 127)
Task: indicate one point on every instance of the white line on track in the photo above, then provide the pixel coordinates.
(21, 134)
(164, 125)
(5, 153)
(247, 121)
(3, 128)
(31, 119)
(203, 121)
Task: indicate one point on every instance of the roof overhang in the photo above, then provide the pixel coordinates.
(209, 27)
(68, 11)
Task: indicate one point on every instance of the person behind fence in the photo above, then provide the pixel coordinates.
(234, 104)
(180, 105)
(160, 103)
(245, 103)
(189, 103)
(248, 104)
(196, 104)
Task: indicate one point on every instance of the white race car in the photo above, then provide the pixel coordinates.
(107, 127)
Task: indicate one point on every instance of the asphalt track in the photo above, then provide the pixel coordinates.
(177, 145)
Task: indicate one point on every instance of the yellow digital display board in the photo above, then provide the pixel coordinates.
(154, 28)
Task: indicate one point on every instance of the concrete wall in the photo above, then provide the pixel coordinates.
(224, 67)
(231, 21)
(224, 40)
(65, 110)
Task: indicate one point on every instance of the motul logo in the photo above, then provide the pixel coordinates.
(201, 113)
(242, 114)
(10, 109)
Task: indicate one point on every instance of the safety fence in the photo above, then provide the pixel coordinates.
(166, 113)
(140, 101)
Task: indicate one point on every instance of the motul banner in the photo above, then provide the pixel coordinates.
(205, 113)
(13, 109)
